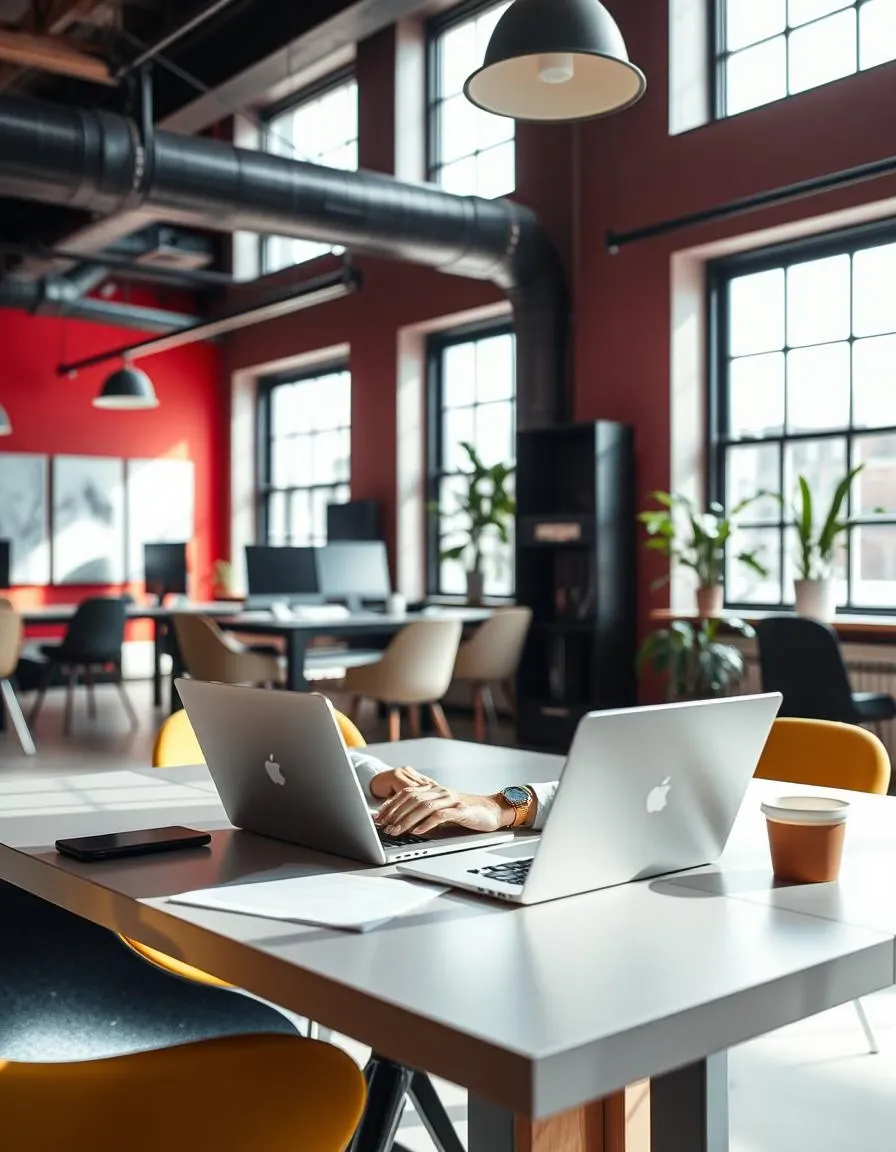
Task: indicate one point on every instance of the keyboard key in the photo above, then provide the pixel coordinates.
(513, 872)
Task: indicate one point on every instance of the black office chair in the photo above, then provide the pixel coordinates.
(92, 643)
(801, 658)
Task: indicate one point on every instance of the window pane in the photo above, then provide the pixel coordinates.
(459, 375)
(492, 130)
(496, 171)
(457, 127)
(873, 556)
(823, 52)
(498, 565)
(756, 313)
(495, 368)
(300, 518)
(756, 397)
(818, 301)
(485, 26)
(459, 426)
(742, 584)
(877, 33)
(818, 388)
(747, 21)
(874, 290)
(277, 518)
(802, 11)
(792, 570)
(494, 433)
(823, 463)
(756, 76)
(459, 177)
(874, 393)
(754, 468)
(875, 487)
(457, 58)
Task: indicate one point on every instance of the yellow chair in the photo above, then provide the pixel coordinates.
(279, 1093)
(176, 745)
(827, 754)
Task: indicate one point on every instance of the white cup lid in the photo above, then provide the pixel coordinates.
(807, 809)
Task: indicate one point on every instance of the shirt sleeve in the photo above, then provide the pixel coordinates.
(544, 798)
(366, 767)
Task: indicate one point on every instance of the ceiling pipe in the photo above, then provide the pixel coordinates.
(56, 296)
(95, 160)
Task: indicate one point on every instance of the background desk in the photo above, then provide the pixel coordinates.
(607, 988)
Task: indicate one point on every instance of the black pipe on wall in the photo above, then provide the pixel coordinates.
(94, 160)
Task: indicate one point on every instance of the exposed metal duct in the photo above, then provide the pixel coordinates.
(61, 296)
(95, 160)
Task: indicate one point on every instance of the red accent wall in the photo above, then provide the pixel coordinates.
(55, 416)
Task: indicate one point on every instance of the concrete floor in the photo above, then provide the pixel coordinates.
(812, 1085)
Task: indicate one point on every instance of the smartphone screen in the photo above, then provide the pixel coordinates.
(139, 843)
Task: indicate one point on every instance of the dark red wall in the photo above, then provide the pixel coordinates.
(55, 416)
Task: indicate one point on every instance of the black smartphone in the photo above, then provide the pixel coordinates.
(141, 843)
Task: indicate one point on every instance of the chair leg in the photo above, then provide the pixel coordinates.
(394, 722)
(387, 1089)
(491, 713)
(41, 694)
(125, 699)
(414, 718)
(91, 692)
(866, 1027)
(432, 1113)
(509, 687)
(354, 709)
(438, 718)
(69, 699)
(479, 714)
(14, 712)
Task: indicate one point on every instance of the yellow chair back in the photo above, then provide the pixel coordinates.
(825, 754)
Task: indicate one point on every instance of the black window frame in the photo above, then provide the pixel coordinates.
(436, 27)
(264, 487)
(721, 55)
(436, 345)
(294, 100)
(719, 274)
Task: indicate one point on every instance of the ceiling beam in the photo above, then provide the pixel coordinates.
(50, 55)
(59, 18)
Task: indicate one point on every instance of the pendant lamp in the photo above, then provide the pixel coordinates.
(5, 422)
(556, 60)
(128, 389)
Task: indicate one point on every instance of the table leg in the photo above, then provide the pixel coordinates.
(618, 1124)
(689, 1108)
(296, 647)
(158, 631)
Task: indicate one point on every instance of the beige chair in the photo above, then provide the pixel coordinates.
(10, 647)
(415, 670)
(210, 654)
(491, 656)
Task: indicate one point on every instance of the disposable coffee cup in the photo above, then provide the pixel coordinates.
(805, 835)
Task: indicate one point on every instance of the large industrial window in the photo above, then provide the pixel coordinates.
(472, 399)
(768, 49)
(805, 347)
(305, 442)
(320, 126)
(471, 152)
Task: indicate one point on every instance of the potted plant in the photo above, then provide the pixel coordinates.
(814, 589)
(697, 540)
(696, 664)
(487, 506)
(222, 579)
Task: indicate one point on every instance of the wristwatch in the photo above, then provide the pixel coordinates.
(521, 800)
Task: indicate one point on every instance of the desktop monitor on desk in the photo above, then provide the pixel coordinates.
(354, 572)
(165, 569)
(355, 520)
(281, 574)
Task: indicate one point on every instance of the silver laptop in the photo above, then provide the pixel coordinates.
(644, 791)
(282, 769)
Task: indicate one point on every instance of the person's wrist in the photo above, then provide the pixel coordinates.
(380, 787)
(505, 811)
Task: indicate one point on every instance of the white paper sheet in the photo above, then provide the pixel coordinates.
(336, 900)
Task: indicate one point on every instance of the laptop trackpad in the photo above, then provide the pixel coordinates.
(521, 849)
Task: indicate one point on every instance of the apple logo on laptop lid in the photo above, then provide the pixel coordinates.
(658, 797)
(272, 767)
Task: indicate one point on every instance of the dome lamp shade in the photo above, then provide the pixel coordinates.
(128, 389)
(556, 60)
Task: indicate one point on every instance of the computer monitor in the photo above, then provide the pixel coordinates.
(5, 565)
(275, 574)
(165, 569)
(356, 520)
(354, 572)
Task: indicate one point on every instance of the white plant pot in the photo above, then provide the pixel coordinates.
(816, 598)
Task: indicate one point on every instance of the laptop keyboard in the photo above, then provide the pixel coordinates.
(513, 872)
(399, 841)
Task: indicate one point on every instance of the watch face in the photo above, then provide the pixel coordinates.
(516, 796)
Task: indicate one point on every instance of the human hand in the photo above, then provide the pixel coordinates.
(386, 784)
(420, 808)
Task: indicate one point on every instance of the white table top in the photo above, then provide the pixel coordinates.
(537, 1009)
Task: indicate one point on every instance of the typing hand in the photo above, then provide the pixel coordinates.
(420, 808)
(386, 784)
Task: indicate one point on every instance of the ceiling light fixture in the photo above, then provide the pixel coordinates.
(556, 60)
(128, 389)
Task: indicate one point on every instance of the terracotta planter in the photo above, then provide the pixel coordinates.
(816, 598)
(710, 600)
(475, 587)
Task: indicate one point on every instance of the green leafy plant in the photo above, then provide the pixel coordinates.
(696, 540)
(222, 575)
(696, 664)
(817, 542)
(486, 505)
